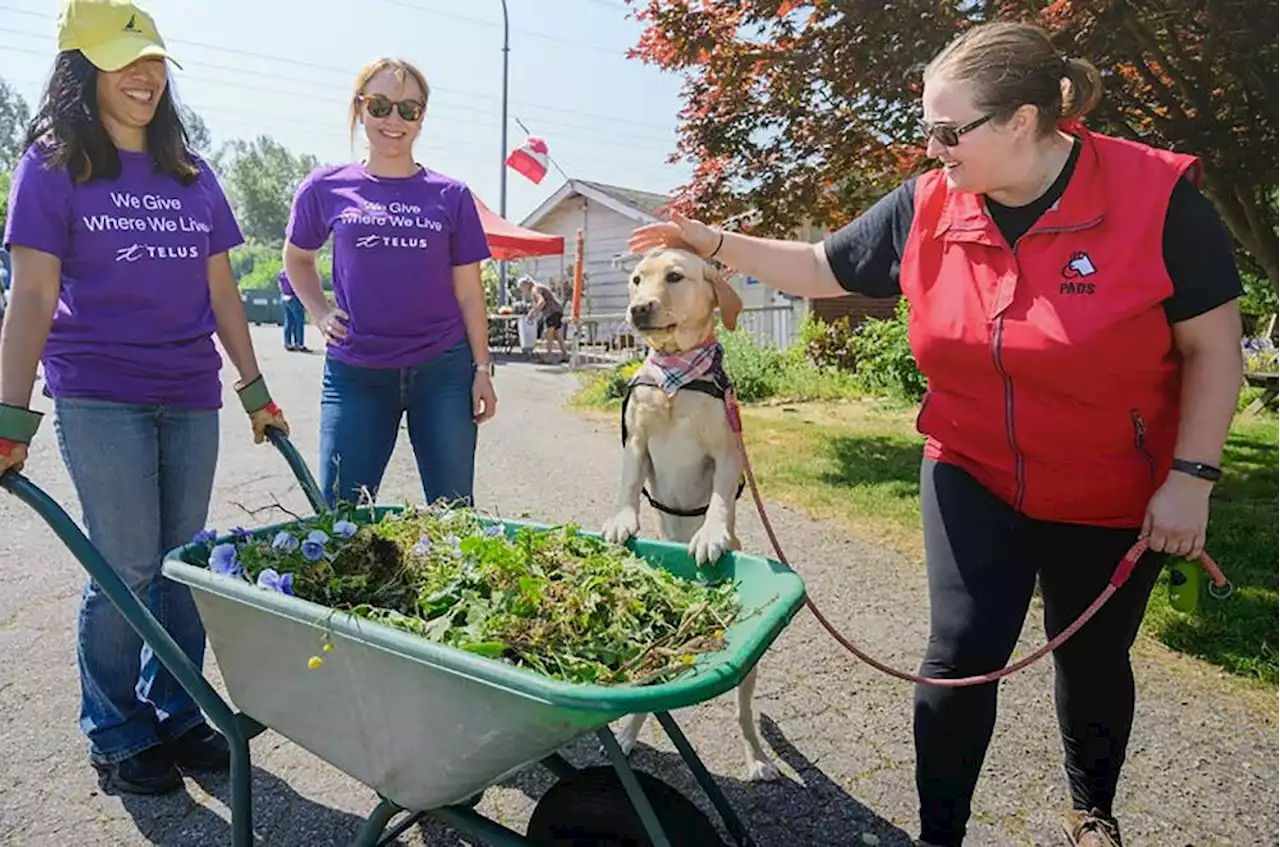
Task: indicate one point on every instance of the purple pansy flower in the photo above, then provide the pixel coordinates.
(455, 544)
(240, 533)
(286, 541)
(493, 530)
(272, 580)
(423, 547)
(205, 536)
(223, 560)
(346, 529)
(312, 549)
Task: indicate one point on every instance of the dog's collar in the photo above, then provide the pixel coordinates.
(698, 369)
(675, 371)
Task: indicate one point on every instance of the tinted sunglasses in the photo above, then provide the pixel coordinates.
(949, 136)
(380, 105)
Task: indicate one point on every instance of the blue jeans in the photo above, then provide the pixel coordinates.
(295, 322)
(144, 476)
(360, 412)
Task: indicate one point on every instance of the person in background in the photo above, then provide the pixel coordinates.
(122, 300)
(295, 317)
(1073, 306)
(549, 311)
(409, 334)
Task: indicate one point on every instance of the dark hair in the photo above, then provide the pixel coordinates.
(69, 127)
(1015, 64)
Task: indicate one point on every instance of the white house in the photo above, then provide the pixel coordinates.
(607, 214)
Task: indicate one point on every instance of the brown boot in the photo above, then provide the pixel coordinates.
(1091, 829)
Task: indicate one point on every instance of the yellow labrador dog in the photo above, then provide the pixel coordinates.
(678, 448)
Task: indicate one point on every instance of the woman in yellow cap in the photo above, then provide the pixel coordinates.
(119, 236)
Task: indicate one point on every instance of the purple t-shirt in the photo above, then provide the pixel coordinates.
(285, 288)
(134, 322)
(395, 244)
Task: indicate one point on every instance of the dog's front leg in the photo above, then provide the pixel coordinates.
(625, 522)
(717, 531)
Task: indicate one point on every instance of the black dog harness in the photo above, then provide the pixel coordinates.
(717, 386)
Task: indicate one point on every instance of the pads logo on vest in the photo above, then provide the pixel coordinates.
(1078, 267)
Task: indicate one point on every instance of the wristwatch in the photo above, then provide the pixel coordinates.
(1198, 469)
(483, 367)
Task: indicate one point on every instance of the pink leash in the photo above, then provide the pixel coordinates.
(1118, 578)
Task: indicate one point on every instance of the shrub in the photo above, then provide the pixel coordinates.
(884, 362)
(829, 345)
(754, 369)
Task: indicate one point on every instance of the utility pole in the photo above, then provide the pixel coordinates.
(502, 159)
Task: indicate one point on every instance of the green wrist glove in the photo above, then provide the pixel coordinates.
(17, 424)
(254, 396)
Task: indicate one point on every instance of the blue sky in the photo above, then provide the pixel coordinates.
(285, 68)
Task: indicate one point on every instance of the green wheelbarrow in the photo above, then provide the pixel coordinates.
(428, 727)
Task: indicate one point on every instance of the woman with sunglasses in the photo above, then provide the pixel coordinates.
(121, 278)
(408, 335)
(1073, 308)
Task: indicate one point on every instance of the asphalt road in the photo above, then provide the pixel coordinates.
(1202, 765)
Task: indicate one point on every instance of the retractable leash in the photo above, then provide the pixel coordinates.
(1118, 578)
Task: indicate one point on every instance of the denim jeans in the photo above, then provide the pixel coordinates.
(295, 322)
(144, 476)
(360, 413)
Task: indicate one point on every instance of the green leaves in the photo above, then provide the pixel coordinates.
(555, 601)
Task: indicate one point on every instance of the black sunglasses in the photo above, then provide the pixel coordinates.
(380, 105)
(949, 136)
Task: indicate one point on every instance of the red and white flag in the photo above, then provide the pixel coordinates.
(530, 159)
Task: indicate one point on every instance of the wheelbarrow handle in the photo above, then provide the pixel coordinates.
(300, 470)
(123, 598)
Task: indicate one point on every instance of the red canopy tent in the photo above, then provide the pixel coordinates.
(509, 241)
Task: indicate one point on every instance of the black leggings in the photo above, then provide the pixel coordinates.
(982, 559)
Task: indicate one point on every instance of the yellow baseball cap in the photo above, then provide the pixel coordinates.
(110, 33)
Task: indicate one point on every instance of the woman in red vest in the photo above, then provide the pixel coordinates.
(1073, 306)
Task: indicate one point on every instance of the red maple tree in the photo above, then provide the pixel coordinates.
(806, 111)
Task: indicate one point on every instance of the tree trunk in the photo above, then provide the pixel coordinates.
(1247, 222)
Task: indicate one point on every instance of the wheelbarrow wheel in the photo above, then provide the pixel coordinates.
(591, 809)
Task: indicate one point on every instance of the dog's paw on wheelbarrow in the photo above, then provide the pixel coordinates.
(709, 543)
(622, 526)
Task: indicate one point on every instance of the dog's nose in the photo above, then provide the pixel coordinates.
(642, 312)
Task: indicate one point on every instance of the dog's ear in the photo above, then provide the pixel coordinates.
(726, 299)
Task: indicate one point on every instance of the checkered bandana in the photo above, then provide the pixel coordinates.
(673, 371)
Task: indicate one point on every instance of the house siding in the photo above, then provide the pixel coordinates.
(605, 235)
(855, 307)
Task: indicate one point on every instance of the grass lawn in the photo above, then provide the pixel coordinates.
(858, 462)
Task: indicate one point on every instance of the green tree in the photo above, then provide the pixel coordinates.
(14, 115)
(260, 178)
(808, 109)
(197, 131)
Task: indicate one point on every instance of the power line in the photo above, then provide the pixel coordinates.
(615, 142)
(586, 45)
(268, 122)
(347, 72)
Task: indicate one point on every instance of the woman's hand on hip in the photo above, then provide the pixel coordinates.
(679, 232)
(334, 325)
(1178, 516)
(484, 400)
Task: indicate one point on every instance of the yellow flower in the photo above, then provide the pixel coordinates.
(314, 662)
(719, 633)
(328, 647)
(687, 658)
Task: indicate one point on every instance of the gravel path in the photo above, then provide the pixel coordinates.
(1202, 766)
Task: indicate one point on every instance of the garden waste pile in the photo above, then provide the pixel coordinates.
(554, 601)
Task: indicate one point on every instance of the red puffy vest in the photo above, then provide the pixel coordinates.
(1052, 374)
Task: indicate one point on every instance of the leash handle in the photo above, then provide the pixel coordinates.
(1118, 578)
